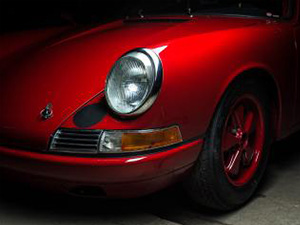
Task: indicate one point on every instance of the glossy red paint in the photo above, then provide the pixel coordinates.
(201, 56)
(126, 175)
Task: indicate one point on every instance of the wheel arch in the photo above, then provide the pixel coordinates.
(267, 79)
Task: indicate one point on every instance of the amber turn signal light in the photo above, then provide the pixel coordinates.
(139, 140)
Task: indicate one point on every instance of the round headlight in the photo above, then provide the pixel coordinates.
(134, 81)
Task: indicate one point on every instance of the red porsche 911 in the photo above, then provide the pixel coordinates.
(127, 108)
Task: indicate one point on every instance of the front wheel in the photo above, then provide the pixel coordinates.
(235, 151)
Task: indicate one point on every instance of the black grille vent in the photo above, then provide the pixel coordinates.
(76, 141)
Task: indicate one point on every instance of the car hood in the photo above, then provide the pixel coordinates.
(68, 68)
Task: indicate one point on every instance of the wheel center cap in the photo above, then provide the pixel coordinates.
(243, 138)
(239, 134)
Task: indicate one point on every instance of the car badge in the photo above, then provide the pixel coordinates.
(47, 112)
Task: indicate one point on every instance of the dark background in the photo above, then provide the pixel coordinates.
(32, 14)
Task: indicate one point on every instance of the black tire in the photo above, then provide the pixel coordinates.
(208, 186)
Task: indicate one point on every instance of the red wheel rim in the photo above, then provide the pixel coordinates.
(242, 140)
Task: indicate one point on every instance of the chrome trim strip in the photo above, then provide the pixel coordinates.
(76, 141)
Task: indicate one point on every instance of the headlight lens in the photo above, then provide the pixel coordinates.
(133, 82)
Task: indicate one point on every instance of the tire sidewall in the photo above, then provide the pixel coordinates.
(233, 196)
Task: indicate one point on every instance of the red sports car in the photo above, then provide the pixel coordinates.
(127, 108)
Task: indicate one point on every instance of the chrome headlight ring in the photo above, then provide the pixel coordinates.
(151, 65)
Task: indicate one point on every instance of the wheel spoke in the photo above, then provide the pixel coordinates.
(230, 141)
(234, 165)
(238, 116)
(249, 122)
(248, 156)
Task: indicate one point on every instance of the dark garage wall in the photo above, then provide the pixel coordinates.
(31, 14)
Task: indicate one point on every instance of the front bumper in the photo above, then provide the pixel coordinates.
(118, 177)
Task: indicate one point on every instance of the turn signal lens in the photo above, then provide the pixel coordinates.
(130, 141)
(159, 138)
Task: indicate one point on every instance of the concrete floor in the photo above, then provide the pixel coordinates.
(276, 202)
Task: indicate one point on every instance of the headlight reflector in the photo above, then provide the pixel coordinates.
(133, 82)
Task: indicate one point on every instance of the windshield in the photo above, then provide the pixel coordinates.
(260, 8)
(32, 14)
(246, 7)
